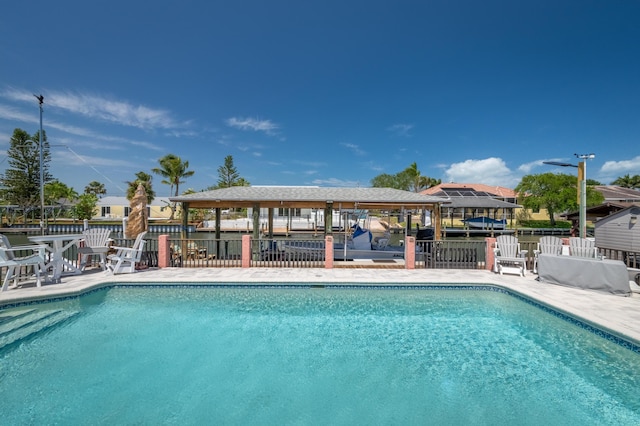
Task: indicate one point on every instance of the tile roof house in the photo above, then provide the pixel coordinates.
(499, 192)
(474, 200)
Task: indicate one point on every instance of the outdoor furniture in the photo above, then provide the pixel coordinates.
(548, 245)
(125, 259)
(582, 247)
(57, 245)
(15, 263)
(609, 276)
(95, 241)
(194, 252)
(508, 257)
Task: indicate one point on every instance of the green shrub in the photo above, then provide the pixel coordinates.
(544, 224)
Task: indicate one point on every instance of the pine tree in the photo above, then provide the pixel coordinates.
(21, 181)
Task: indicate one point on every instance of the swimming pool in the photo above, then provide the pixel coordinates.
(193, 355)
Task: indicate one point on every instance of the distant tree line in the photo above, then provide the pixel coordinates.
(20, 182)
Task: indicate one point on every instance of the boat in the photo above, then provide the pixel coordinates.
(484, 222)
(360, 245)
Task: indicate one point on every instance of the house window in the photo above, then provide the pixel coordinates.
(105, 211)
(283, 212)
(127, 211)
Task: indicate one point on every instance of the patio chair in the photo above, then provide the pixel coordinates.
(548, 245)
(582, 247)
(95, 243)
(195, 252)
(15, 264)
(508, 257)
(125, 259)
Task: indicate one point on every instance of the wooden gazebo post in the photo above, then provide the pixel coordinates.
(328, 218)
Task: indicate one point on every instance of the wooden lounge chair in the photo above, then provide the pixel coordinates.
(95, 242)
(125, 259)
(14, 264)
(582, 247)
(195, 252)
(548, 245)
(508, 257)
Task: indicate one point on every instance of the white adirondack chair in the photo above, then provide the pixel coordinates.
(95, 242)
(582, 247)
(508, 257)
(15, 264)
(547, 245)
(125, 259)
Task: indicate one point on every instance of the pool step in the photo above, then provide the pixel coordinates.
(20, 325)
(12, 315)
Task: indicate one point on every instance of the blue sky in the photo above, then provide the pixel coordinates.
(328, 93)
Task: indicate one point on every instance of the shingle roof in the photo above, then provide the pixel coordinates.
(618, 193)
(307, 194)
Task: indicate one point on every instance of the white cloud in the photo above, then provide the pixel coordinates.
(527, 167)
(621, 167)
(12, 114)
(314, 164)
(490, 171)
(374, 166)
(119, 112)
(114, 111)
(611, 170)
(72, 160)
(354, 148)
(148, 145)
(401, 129)
(336, 182)
(256, 125)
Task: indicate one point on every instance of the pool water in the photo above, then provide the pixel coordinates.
(316, 356)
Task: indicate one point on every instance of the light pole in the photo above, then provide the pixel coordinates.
(582, 186)
(41, 101)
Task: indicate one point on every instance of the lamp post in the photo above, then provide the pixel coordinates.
(582, 186)
(40, 99)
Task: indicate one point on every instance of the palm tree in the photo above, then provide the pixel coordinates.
(173, 170)
(628, 181)
(415, 181)
(144, 179)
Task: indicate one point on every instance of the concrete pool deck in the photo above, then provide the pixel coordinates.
(618, 315)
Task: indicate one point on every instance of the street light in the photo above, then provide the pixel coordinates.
(582, 182)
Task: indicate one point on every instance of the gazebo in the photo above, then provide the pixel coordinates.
(272, 197)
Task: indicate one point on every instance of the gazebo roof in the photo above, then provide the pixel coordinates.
(308, 197)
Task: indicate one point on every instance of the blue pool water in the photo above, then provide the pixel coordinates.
(316, 356)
